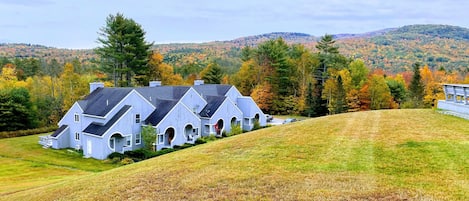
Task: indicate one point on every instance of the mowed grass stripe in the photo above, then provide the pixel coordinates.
(380, 155)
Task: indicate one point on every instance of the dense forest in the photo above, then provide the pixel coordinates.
(285, 73)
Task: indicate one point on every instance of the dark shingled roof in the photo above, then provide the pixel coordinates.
(162, 108)
(152, 94)
(60, 130)
(102, 100)
(212, 89)
(99, 129)
(213, 103)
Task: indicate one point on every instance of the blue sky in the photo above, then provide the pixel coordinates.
(75, 23)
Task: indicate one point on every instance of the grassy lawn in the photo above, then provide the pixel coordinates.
(24, 164)
(375, 155)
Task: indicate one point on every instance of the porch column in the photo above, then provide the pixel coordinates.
(454, 95)
(465, 95)
(446, 92)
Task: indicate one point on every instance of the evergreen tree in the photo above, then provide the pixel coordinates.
(341, 102)
(397, 89)
(247, 53)
(212, 74)
(416, 88)
(309, 110)
(327, 54)
(124, 51)
(16, 112)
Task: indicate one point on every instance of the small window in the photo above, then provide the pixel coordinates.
(137, 138)
(111, 143)
(160, 139)
(207, 129)
(247, 121)
(77, 118)
(128, 141)
(137, 118)
(77, 136)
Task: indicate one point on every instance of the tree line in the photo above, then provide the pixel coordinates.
(291, 79)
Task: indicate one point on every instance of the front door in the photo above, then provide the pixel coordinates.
(88, 148)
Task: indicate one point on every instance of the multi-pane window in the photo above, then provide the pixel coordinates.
(137, 138)
(77, 136)
(137, 118)
(77, 118)
(128, 141)
(160, 139)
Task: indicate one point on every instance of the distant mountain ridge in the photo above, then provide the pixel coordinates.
(393, 49)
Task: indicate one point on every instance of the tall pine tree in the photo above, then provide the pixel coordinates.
(416, 88)
(124, 52)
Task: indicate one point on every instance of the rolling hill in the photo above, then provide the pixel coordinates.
(393, 49)
(374, 155)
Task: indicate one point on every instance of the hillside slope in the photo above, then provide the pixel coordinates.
(388, 155)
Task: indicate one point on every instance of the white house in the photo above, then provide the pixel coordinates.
(111, 119)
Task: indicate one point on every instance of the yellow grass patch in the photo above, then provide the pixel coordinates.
(375, 155)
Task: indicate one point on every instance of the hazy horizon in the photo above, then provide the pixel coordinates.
(75, 24)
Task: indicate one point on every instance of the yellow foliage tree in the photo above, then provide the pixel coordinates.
(263, 96)
(162, 71)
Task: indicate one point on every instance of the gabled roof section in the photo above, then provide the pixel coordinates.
(59, 130)
(162, 109)
(212, 89)
(99, 129)
(152, 94)
(213, 103)
(102, 100)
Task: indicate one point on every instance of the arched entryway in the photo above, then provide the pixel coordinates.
(189, 132)
(117, 142)
(219, 127)
(256, 118)
(169, 136)
(233, 121)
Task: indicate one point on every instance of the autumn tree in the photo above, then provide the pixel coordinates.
(433, 90)
(358, 72)
(158, 70)
(124, 52)
(72, 86)
(263, 96)
(380, 96)
(247, 78)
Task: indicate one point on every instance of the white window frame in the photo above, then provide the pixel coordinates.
(138, 119)
(128, 141)
(113, 144)
(77, 136)
(76, 117)
(138, 138)
(160, 138)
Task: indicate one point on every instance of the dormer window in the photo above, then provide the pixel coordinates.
(77, 117)
(137, 118)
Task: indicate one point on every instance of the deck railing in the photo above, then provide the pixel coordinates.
(45, 141)
(457, 93)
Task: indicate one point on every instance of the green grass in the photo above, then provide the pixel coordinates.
(375, 155)
(24, 164)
